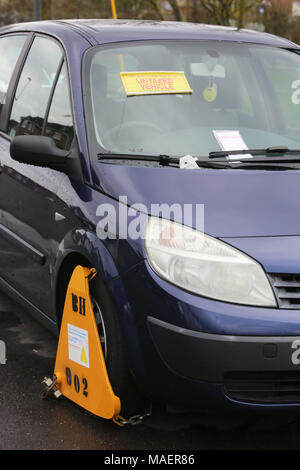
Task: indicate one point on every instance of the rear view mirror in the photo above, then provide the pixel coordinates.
(202, 69)
(39, 151)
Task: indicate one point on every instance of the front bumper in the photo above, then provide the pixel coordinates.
(250, 368)
(183, 349)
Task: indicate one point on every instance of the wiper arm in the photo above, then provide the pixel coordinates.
(164, 160)
(281, 150)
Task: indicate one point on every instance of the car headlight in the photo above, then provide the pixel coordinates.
(204, 265)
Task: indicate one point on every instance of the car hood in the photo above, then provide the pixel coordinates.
(237, 203)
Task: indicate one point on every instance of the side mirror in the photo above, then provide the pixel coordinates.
(39, 151)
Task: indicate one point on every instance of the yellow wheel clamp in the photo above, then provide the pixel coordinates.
(80, 371)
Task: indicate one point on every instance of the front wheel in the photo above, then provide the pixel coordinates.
(112, 343)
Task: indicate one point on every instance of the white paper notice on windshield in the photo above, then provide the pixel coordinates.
(232, 140)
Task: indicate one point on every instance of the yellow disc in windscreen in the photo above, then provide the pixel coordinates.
(209, 94)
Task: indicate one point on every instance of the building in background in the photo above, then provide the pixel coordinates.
(296, 9)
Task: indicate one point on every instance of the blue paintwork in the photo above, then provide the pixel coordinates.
(107, 31)
(227, 214)
(257, 211)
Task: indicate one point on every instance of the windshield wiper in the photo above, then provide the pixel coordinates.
(221, 162)
(163, 160)
(280, 150)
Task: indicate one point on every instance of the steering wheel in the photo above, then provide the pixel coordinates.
(113, 133)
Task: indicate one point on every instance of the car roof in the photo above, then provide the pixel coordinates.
(101, 31)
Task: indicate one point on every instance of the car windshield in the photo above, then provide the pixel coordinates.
(191, 97)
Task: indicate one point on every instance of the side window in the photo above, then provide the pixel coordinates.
(60, 123)
(34, 88)
(10, 49)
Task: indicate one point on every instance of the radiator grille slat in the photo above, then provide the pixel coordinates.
(291, 284)
(289, 295)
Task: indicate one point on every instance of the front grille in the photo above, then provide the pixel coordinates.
(287, 289)
(263, 387)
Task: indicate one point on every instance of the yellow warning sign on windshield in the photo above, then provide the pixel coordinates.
(155, 83)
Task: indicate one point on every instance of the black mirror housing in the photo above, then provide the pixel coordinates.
(39, 151)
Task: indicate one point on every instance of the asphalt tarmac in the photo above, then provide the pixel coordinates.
(28, 422)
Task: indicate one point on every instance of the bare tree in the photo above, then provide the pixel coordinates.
(221, 11)
(176, 10)
(156, 6)
(242, 9)
(277, 16)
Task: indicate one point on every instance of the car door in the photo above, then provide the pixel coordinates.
(28, 193)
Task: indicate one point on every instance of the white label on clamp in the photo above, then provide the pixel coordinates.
(78, 341)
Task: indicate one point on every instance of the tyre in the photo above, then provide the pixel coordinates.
(112, 342)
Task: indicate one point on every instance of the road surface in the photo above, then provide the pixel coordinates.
(27, 422)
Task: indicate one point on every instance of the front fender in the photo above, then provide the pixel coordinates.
(86, 244)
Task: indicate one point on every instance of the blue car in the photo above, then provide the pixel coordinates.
(165, 156)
